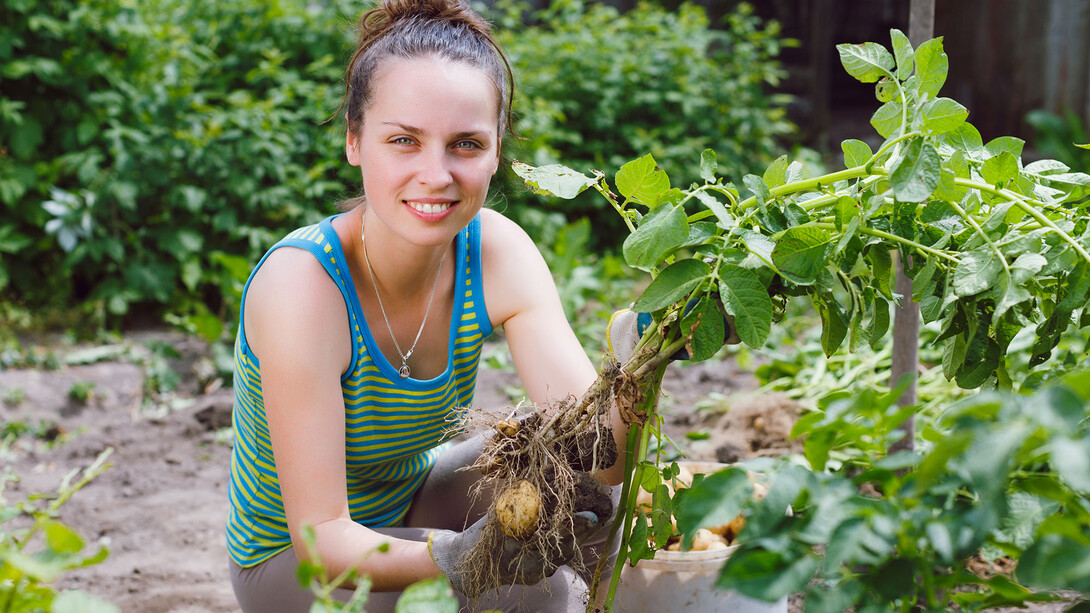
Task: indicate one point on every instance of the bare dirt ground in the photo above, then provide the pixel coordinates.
(162, 505)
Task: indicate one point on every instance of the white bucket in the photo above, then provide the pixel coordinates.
(675, 581)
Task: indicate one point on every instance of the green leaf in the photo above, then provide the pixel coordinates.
(1009, 144)
(981, 360)
(801, 253)
(776, 173)
(867, 62)
(977, 271)
(963, 138)
(902, 53)
(726, 221)
(757, 185)
(834, 326)
(887, 119)
(638, 548)
(856, 152)
(999, 169)
(426, 596)
(60, 538)
(706, 329)
(673, 284)
(1071, 460)
(642, 180)
(1011, 291)
(846, 209)
(1086, 146)
(746, 299)
(1055, 562)
(660, 232)
(885, 90)
(552, 180)
(931, 67)
(25, 138)
(879, 323)
(708, 165)
(716, 500)
(767, 575)
(917, 173)
(942, 115)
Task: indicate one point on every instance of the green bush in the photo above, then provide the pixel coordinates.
(151, 151)
(596, 88)
(162, 145)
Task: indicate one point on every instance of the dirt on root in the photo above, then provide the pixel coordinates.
(162, 505)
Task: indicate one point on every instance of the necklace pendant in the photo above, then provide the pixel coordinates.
(404, 371)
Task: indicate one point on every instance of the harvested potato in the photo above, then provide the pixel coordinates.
(702, 539)
(518, 508)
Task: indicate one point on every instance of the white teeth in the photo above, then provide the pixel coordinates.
(429, 208)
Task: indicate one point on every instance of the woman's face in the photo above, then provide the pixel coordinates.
(428, 147)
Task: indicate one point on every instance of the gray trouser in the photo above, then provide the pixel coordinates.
(443, 502)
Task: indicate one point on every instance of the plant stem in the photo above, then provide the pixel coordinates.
(1025, 206)
(972, 222)
(628, 498)
(892, 237)
(809, 184)
(612, 200)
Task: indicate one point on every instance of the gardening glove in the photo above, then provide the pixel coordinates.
(626, 327)
(518, 562)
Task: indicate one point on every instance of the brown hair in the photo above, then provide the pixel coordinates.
(448, 29)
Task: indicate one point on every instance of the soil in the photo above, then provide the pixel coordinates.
(162, 505)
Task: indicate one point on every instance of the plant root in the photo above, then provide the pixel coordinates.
(556, 451)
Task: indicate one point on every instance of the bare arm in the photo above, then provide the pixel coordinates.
(297, 326)
(522, 297)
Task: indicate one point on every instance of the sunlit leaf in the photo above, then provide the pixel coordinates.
(553, 179)
(867, 62)
(642, 180)
(942, 115)
(856, 152)
(932, 65)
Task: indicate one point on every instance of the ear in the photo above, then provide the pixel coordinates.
(351, 147)
(499, 155)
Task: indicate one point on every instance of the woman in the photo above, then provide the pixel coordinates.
(360, 336)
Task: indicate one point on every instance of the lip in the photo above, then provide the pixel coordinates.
(430, 209)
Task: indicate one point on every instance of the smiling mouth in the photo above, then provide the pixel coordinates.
(431, 208)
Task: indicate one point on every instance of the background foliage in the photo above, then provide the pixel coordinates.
(150, 152)
(600, 88)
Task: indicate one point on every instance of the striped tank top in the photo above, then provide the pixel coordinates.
(394, 427)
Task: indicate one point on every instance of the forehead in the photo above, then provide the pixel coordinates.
(434, 93)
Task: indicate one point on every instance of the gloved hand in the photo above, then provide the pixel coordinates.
(518, 562)
(626, 326)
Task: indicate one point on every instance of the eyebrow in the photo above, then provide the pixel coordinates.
(418, 132)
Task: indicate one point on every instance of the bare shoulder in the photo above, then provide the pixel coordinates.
(293, 301)
(514, 272)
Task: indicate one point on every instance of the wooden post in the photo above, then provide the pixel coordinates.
(906, 318)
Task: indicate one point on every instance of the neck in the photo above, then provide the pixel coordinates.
(401, 270)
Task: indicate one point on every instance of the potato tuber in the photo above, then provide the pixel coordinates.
(518, 509)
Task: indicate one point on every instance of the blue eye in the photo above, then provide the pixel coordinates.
(467, 144)
(403, 140)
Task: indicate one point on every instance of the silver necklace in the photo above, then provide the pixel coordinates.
(404, 370)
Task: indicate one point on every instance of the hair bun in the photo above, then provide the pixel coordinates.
(385, 16)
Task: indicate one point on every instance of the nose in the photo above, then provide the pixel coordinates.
(434, 169)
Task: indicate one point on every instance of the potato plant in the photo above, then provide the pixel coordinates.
(993, 245)
(33, 555)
